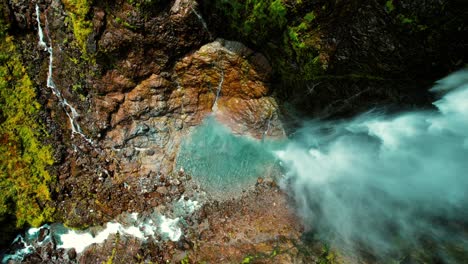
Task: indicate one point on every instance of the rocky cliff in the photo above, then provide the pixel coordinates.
(138, 76)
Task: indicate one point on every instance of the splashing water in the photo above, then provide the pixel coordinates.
(387, 184)
(382, 184)
(69, 109)
(27, 244)
(149, 227)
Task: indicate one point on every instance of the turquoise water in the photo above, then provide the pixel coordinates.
(222, 161)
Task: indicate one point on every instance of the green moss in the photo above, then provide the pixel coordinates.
(185, 260)
(262, 256)
(147, 7)
(327, 256)
(389, 6)
(254, 19)
(247, 260)
(284, 31)
(24, 179)
(310, 17)
(406, 20)
(299, 46)
(412, 22)
(78, 11)
(124, 23)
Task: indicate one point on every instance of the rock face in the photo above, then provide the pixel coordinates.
(145, 81)
(337, 58)
(144, 124)
(147, 122)
(230, 80)
(258, 226)
(152, 71)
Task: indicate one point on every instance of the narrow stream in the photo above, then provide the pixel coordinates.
(68, 108)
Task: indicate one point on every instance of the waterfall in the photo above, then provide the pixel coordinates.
(218, 91)
(39, 30)
(205, 26)
(387, 184)
(69, 109)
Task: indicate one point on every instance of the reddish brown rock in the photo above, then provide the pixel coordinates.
(230, 80)
(113, 81)
(260, 226)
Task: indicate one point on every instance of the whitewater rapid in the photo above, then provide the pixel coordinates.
(146, 227)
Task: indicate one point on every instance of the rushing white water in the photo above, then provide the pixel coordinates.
(21, 253)
(81, 240)
(218, 91)
(170, 228)
(152, 226)
(26, 244)
(185, 207)
(387, 184)
(39, 29)
(142, 228)
(69, 109)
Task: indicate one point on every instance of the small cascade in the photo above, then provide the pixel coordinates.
(220, 86)
(267, 130)
(69, 109)
(39, 30)
(205, 26)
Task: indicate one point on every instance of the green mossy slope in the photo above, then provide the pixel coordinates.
(24, 179)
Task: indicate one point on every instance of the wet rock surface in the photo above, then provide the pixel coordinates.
(137, 100)
(230, 80)
(258, 225)
(152, 75)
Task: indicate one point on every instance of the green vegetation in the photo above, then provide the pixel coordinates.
(185, 260)
(408, 20)
(285, 32)
(124, 23)
(254, 19)
(299, 44)
(412, 22)
(142, 3)
(24, 179)
(147, 7)
(389, 5)
(262, 256)
(327, 256)
(247, 260)
(78, 11)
